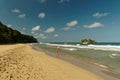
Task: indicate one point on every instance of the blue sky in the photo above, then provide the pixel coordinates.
(64, 20)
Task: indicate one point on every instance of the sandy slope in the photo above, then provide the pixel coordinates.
(21, 62)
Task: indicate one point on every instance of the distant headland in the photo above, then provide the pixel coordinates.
(9, 36)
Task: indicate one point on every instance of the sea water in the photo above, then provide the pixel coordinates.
(106, 55)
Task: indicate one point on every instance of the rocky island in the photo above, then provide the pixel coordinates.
(87, 41)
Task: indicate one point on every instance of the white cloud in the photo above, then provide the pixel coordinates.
(33, 32)
(22, 15)
(16, 11)
(50, 30)
(41, 15)
(9, 25)
(72, 23)
(69, 28)
(36, 34)
(99, 15)
(23, 29)
(56, 35)
(94, 25)
(63, 1)
(36, 28)
(41, 36)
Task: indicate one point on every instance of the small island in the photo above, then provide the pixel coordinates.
(87, 41)
(9, 36)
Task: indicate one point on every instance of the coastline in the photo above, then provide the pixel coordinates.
(94, 67)
(21, 62)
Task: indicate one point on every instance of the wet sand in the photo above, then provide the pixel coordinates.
(94, 67)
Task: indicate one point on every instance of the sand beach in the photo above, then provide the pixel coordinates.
(21, 62)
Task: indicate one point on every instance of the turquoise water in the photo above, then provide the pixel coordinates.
(96, 56)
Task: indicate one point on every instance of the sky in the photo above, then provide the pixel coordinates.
(63, 20)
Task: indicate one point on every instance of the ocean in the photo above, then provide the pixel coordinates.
(104, 55)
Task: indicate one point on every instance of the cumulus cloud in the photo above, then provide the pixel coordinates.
(41, 15)
(36, 34)
(50, 30)
(36, 28)
(56, 35)
(63, 1)
(9, 25)
(99, 15)
(33, 32)
(41, 36)
(23, 29)
(70, 25)
(22, 15)
(16, 11)
(94, 25)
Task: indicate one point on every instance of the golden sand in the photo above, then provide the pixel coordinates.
(21, 62)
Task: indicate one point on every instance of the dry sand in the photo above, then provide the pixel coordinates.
(21, 62)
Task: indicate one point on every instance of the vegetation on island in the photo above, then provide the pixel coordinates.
(87, 41)
(8, 36)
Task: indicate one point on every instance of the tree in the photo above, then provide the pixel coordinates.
(8, 35)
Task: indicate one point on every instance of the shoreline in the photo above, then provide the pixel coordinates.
(94, 67)
(22, 62)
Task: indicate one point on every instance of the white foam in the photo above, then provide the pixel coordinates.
(115, 55)
(95, 47)
(101, 65)
(105, 47)
(70, 49)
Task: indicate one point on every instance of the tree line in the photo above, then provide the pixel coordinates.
(8, 35)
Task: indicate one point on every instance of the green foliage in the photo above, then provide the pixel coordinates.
(8, 35)
(88, 41)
